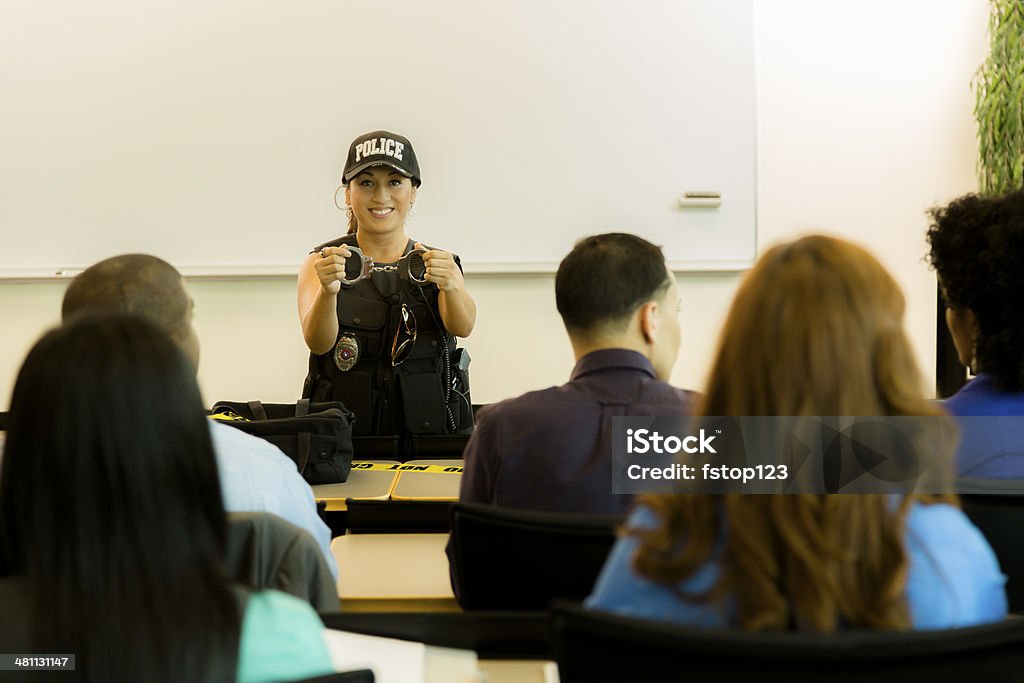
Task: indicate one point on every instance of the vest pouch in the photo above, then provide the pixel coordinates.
(460, 403)
(423, 403)
(359, 395)
(427, 346)
(365, 319)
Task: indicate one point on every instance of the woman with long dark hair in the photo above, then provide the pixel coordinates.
(112, 528)
(816, 328)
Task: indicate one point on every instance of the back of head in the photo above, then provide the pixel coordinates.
(605, 278)
(815, 329)
(111, 505)
(132, 283)
(977, 248)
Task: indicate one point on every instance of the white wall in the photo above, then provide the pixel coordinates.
(864, 121)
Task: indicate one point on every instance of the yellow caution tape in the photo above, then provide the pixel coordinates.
(229, 416)
(399, 467)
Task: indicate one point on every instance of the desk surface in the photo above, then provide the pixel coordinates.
(433, 485)
(397, 484)
(403, 572)
(365, 484)
(519, 671)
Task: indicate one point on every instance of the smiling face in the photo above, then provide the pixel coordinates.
(380, 198)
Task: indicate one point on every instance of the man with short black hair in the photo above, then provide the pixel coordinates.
(551, 449)
(255, 475)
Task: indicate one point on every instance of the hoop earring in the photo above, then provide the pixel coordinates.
(336, 202)
(412, 210)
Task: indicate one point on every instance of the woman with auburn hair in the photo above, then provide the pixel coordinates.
(815, 329)
(112, 528)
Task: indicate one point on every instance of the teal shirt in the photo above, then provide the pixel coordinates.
(282, 640)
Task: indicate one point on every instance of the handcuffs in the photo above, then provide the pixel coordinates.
(358, 266)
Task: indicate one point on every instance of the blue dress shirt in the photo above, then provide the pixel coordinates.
(255, 476)
(992, 426)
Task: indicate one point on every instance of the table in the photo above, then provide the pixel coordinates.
(429, 485)
(397, 484)
(519, 671)
(365, 484)
(393, 572)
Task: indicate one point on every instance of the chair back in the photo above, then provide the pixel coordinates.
(1000, 517)
(359, 676)
(595, 646)
(505, 559)
(364, 516)
(492, 635)
(265, 551)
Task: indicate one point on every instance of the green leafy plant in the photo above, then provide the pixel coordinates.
(999, 103)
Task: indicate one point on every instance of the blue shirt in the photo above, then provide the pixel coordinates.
(991, 446)
(953, 577)
(255, 476)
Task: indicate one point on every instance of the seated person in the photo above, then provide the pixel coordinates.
(255, 475)
(815, 329)
(552, 449)
(977, 248)
(112, 526)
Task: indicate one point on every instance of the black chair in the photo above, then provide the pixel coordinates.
(396, 516)
(359, 676)
(505, 559)
(492, 635)
(1002, 487)
(264, 551)
(594, 646)
(999, 515)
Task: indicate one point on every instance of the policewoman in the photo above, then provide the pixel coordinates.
(380, 312)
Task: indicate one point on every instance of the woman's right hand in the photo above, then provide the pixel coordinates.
(330, 267)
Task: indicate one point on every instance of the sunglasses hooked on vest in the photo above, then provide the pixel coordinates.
(393, 363)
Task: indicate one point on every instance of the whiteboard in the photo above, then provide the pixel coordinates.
(213, 133)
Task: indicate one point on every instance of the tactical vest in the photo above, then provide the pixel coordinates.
(410, 398)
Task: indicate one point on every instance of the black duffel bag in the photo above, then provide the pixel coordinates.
(317, 436)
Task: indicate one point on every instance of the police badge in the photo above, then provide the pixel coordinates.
(346, 352)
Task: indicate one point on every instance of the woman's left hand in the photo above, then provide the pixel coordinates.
(442, 269)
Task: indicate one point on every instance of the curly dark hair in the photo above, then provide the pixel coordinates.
(977, 249)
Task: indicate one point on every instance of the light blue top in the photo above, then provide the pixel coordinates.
(953, 581)
(255, 476)
(992, 430)
(282, 640)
